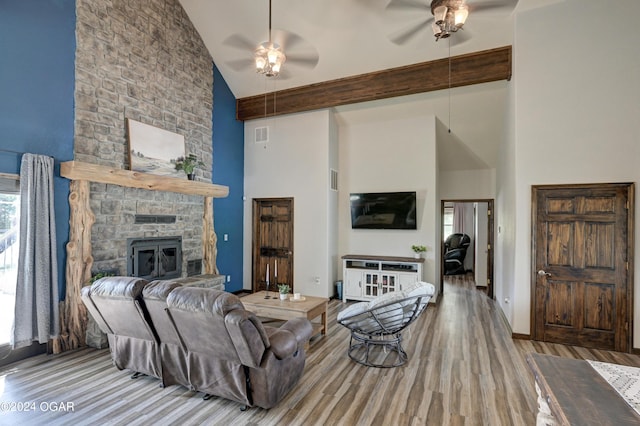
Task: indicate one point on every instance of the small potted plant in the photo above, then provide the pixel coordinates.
(188, 164)
(283, 289)
(99, 275)
(418, 250)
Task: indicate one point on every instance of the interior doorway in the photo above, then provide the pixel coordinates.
(272, 243)
(472, 223)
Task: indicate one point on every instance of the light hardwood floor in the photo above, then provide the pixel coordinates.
(463, 369)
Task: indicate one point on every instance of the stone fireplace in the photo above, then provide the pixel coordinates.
(150, 66)
(140, 60)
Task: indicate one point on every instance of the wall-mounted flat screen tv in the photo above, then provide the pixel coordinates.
(383, 210)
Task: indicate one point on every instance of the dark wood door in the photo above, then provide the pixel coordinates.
(272, 243)
(581, 246)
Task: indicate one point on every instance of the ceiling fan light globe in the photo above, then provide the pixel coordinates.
(440, 14)
(437, 31)
(261, 62)
(272, 56)
(275, 68)
(460, 16)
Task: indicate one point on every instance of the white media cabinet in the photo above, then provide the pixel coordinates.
(365, 277)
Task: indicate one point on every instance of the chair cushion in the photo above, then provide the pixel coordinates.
(387, 312)
(352, 310)
(419, 288)
(387, 298)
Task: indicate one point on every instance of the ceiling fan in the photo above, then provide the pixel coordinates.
(448, 16)
(269, 56)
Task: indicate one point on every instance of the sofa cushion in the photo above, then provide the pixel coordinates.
(159, 289)
(119, 287)
(195, 299)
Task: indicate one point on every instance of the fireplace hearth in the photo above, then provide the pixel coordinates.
(157, 258)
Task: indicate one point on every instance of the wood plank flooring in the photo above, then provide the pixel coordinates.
(463, 369)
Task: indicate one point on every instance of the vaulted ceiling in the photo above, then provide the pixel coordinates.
(352, 37)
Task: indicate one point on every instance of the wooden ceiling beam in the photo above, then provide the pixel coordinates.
(468, 69)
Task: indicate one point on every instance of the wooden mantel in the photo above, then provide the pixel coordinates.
(73, 314)
(76, 170)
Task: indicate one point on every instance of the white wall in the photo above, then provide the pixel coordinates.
(577, 120)
(390, 154)
(467, 184)
(295, 163)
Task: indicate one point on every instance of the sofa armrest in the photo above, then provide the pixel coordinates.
(301, 329)
(283, 343)
(290, 337)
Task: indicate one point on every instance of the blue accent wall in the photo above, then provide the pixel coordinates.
(37, 49)
(228, 169)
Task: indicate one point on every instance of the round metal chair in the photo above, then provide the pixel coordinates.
(376, 327)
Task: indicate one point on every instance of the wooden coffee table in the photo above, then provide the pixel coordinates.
(311, 307)
(577, 394)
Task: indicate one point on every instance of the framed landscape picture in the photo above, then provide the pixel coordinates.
(154, 150)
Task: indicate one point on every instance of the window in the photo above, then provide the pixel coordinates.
(447, 223)
(9, 240)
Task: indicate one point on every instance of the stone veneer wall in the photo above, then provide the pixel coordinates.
(144, 60)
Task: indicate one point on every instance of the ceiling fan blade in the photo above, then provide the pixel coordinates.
(240, 64)
(403, 36)
(408, 4)
(287, 39)
(240, 42)
(296, 48)
(307, 61)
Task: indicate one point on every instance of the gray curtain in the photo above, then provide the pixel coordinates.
(36, 311)
(459, 219)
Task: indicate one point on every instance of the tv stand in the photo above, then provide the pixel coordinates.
(366, 277)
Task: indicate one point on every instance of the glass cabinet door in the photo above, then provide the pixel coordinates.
(388, 283)
(371, 284)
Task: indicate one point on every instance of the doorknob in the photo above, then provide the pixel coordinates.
(542, 272)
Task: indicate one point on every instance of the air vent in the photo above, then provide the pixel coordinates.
(262, 135)
(333, 179)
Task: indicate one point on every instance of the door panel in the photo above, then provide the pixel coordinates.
(581, 293)
(560, 244)
(559, 309)
(598, 316)
(599, 242)
(272, 243)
